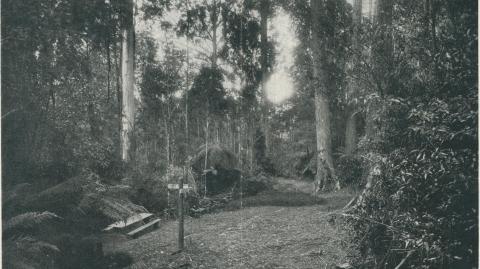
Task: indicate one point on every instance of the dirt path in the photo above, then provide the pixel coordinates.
(254, 237)
(284, 184)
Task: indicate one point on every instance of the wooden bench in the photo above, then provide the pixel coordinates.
(152, 225)
(130, 223)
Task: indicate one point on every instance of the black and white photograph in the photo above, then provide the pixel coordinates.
(242, 134)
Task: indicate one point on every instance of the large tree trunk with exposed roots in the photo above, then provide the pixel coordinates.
(319, 44)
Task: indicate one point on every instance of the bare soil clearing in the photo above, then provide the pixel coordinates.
(254, 237)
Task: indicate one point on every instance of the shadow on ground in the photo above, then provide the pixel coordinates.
(276, 198)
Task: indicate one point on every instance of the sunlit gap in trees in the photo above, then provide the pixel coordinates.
(280, 86)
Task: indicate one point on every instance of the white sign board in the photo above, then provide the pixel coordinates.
(176, 187)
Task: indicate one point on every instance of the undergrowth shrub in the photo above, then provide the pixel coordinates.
(43, 240)
(350, 170)
(150, 193)
(422, 208)
(116, 260)
(87, 252)
(150, 190)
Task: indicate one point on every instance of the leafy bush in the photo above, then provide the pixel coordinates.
(151, 194)
(87, 252)
(22, 244)
(28, 252)
(27, 223)
(151, 190)
(117, 260)
(350, 170)
(423, 204)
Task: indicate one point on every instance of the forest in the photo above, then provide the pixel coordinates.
(345, 131)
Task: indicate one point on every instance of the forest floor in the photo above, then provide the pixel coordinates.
(276, 229)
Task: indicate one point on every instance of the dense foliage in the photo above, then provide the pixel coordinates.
(59, 108)
(421, 208)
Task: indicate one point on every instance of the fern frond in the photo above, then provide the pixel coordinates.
(33, 246)
(29, 220)
(27, 252)
(16, 191)
(110, 207)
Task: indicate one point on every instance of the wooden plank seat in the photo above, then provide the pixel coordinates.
(130, 223)
(152, 225)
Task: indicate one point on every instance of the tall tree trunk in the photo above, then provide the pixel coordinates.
(357, 13)
(239, 142)
(376, 112)
(325, 169)
(94, 128)
(433, 9)
(382, 54)
(351, 133)
(382, 51)
(232, 136)
(214, 21)
(215, 49)
(264, 9)
(382, 65)
(319, 45)
(372, 8)
(118, 83)
(264, 14)
(187, 133)
(198, 127)
(206, 152)
(167, 141)
(351, 124)
(217, 130)
(128, 80)
(109, 68)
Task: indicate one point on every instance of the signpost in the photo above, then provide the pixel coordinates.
(181, 190)
(180, 214)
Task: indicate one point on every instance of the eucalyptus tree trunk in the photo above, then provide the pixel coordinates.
(351, 124)
(167, 141)
(128, 80)
(207, 122)
(376, 112)
(187, 133)
(264, 62)
(118, 83)
(319, 45)
(215, 24)
(217, 133)
(214, 45)
(264, 13)
(382, 65)
(325, 169)
(109, 68)
(351, 133)
(264, 9)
